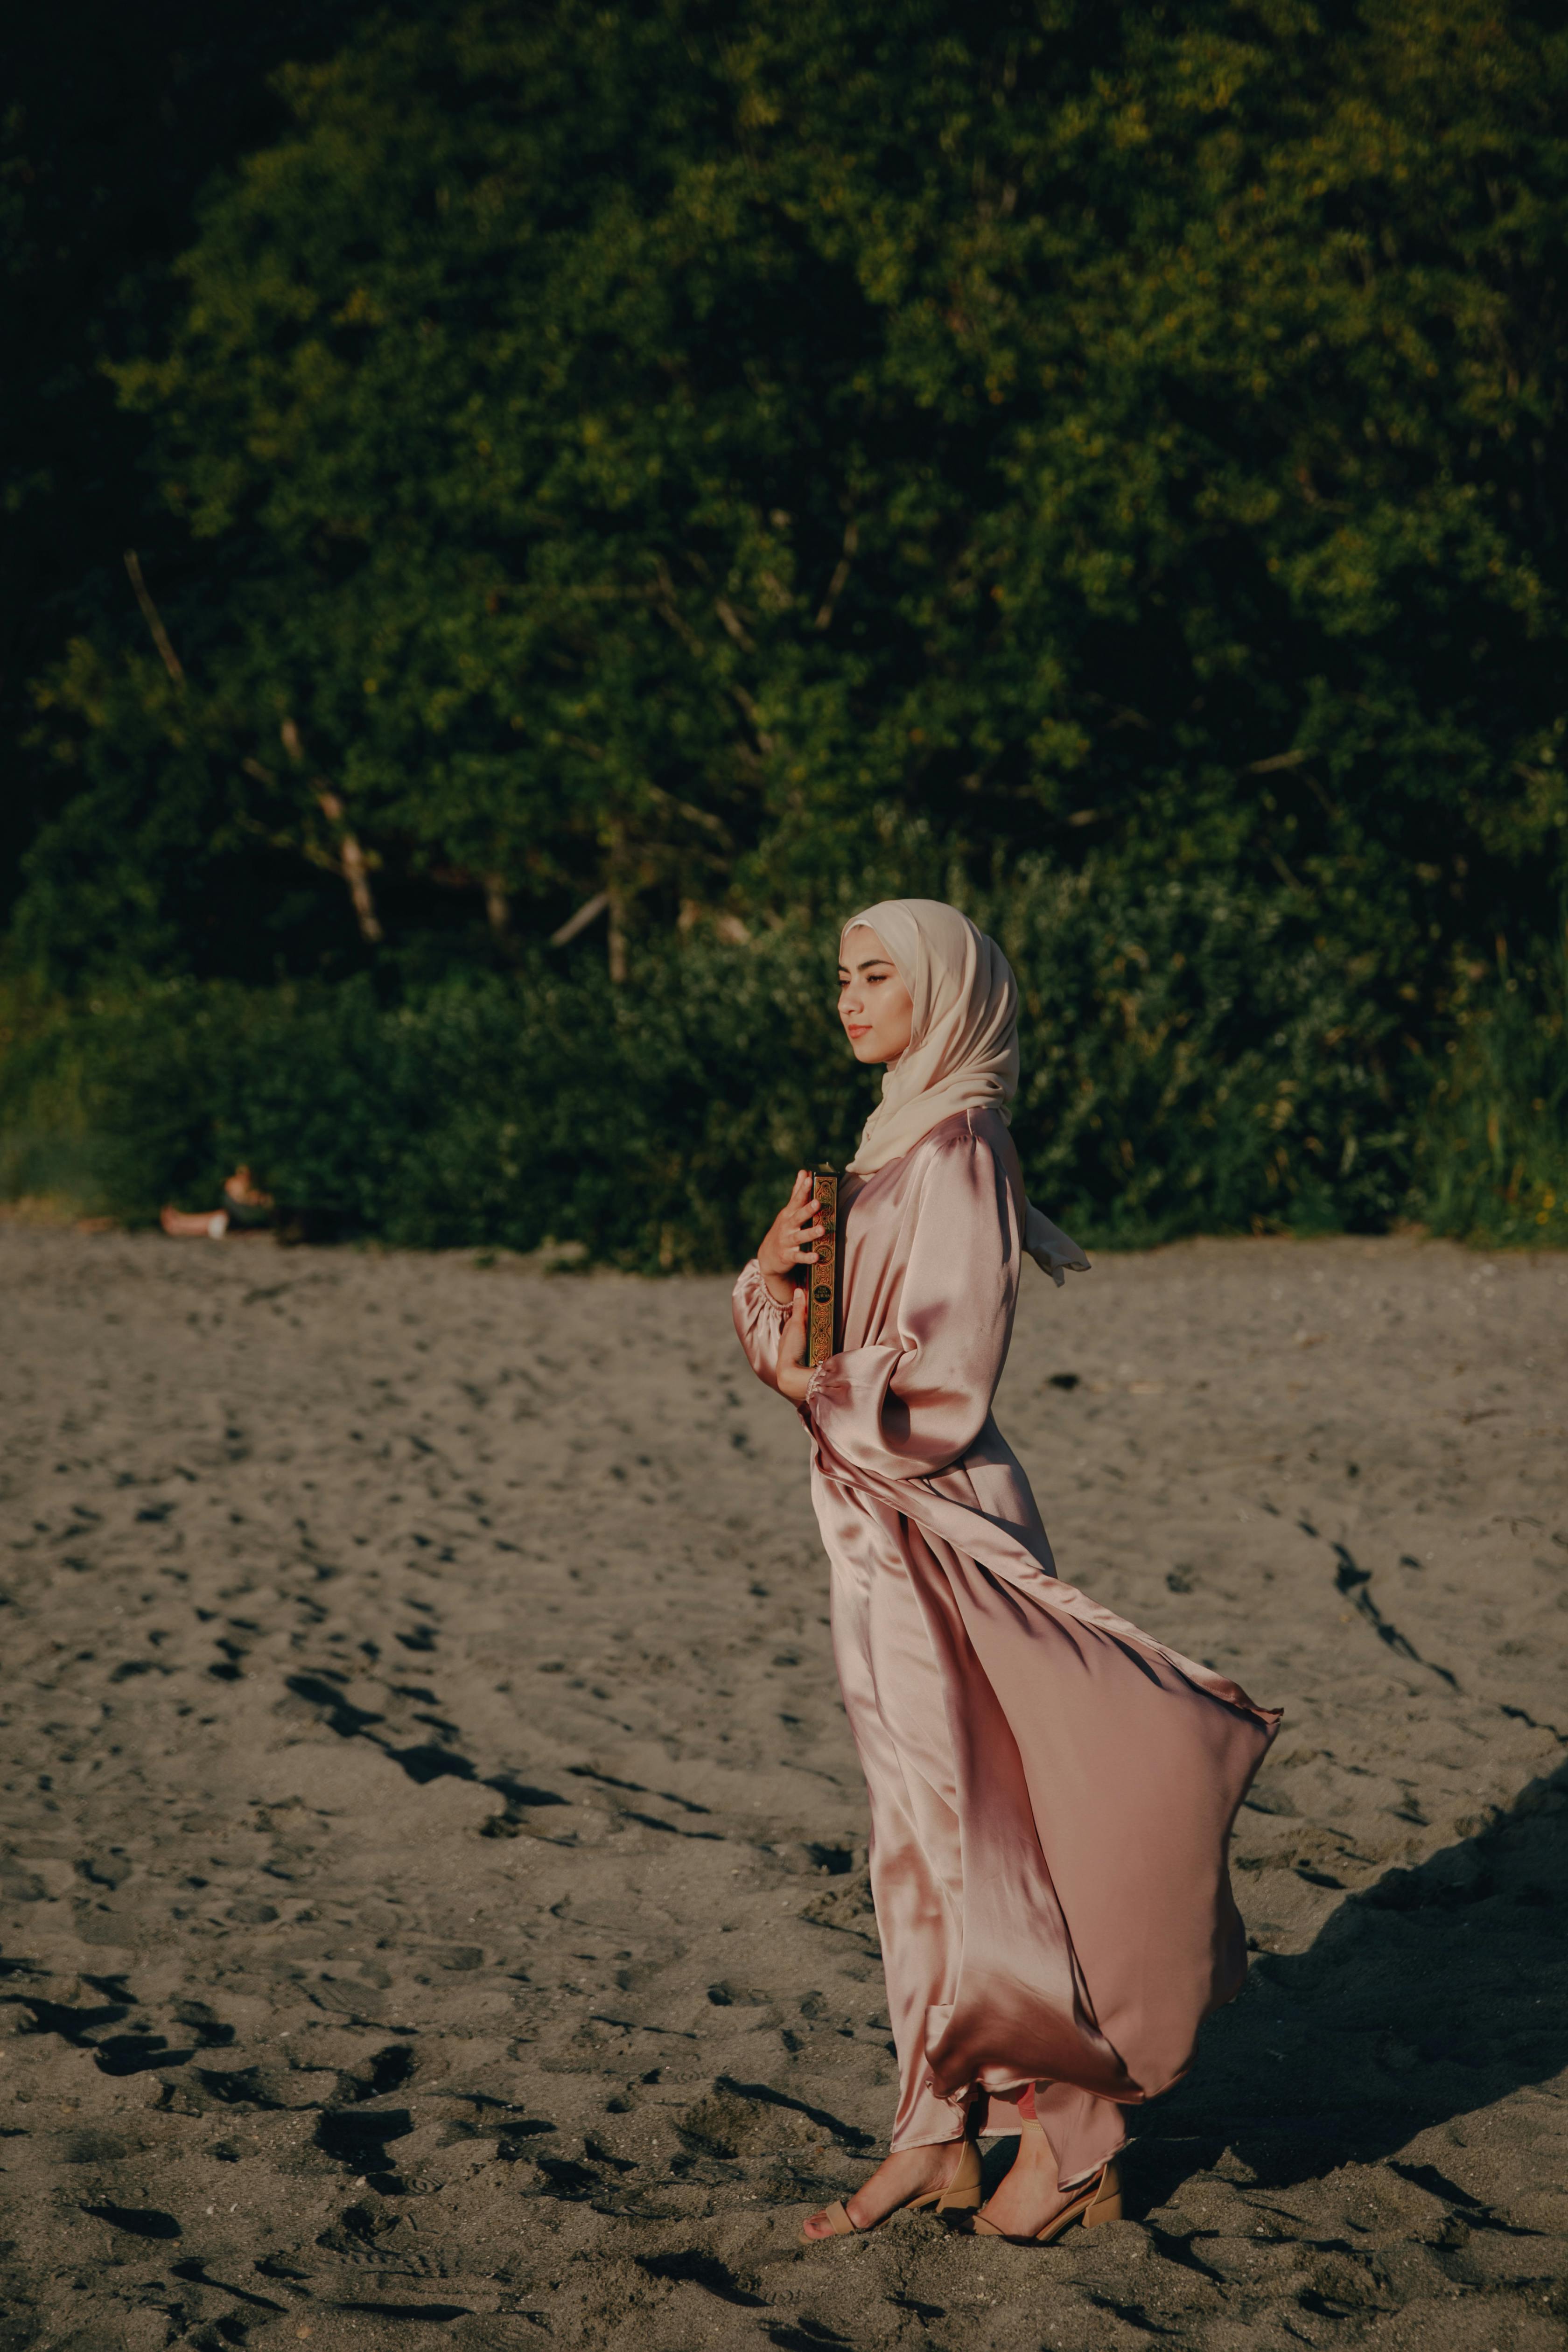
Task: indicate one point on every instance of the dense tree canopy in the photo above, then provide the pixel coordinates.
(112, 123)
(687, 451)
(710, 458)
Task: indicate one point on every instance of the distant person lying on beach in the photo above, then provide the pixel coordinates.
(245, 1207)
(1051, 1789)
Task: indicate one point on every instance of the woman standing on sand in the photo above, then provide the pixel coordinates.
(1051, 1791)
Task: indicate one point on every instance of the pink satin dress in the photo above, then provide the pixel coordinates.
(1051, 1791)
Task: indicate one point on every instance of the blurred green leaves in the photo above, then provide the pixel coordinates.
(1186, 1069)
(1107, 464)
(643, 447)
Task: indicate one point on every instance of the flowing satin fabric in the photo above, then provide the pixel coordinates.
(1051, 1791)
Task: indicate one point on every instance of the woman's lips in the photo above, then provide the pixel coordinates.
(852, 1029)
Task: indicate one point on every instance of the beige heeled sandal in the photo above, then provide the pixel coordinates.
(1099, 2201)
(962, 2195)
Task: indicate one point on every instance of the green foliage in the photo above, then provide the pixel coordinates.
(1187, 1069)
(112, 121)
(650, 1123)
(1198, 1061)
(1494, 1154)
(642, 449)
(1104, 465)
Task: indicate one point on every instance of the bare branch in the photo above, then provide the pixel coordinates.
(356, 868)
(153, 617)
(356, 872)
(689, 809)
(668, 610)
(840, 575)
(1283, 871)
(1314, 787)
(734, 623)
(1276, 760)
(753, 713)
(581, 919)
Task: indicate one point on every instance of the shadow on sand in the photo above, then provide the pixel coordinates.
(1432, 1993)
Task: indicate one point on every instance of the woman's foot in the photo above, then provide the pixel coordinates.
(1028, 2196)
(897, 2181)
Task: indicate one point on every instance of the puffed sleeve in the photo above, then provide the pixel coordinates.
(759, 1322)
(911, 1410)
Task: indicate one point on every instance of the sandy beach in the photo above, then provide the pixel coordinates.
(433, 1902)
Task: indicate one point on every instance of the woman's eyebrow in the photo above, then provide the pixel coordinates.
(870, 964)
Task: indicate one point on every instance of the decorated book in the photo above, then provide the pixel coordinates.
(822, 1277)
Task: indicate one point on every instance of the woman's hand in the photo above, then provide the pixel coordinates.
(791, 1370)
(787, 1243)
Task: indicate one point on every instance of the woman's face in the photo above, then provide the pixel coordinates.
(875, 1008)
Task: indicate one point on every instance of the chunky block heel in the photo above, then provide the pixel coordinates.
(1100, 2201)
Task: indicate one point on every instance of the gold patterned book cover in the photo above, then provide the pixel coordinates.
(823, 1275)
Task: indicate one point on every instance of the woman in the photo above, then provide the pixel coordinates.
(1051, 1791)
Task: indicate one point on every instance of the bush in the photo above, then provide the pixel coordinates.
(649, 1124)
(1492, 1157)
(1190, 1064)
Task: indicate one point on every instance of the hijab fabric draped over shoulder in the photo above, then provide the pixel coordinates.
(963, 1053)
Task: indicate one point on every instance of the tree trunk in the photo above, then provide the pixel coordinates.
(497, 909)
(615, 902)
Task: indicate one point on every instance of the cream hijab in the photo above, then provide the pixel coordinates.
(963, 1053)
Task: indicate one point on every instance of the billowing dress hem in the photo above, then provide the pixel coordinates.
(1052, 1791)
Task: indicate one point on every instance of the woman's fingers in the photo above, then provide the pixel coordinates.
(804, 1255)
(786, 1241)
